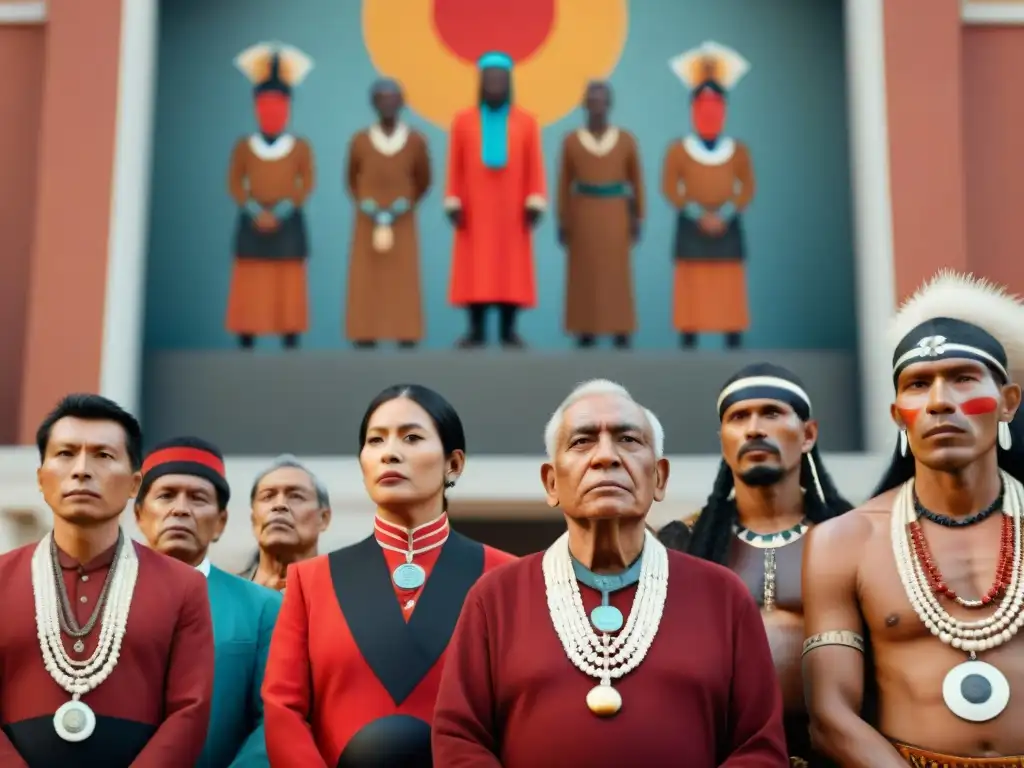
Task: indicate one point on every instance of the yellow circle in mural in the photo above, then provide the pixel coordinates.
(430, 47)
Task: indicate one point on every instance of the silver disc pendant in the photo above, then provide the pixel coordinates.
(976, 691)
(409, 576)
(79, 646)
(74, 721)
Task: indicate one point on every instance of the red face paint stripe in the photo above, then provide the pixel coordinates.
(193, 455)
(909, 415)
(979, 405)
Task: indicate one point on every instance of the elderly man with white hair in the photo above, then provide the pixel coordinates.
(608, 649)
(290, 511)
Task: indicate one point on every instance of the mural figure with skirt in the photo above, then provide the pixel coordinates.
(388, 173)
(600, 210)
(495, 196)
(708, 178)
(270, 178)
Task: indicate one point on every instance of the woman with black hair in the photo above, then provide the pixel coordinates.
(359, 646)
(771, 489)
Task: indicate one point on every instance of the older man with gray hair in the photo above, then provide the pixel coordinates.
(607, 649)
(290, 510)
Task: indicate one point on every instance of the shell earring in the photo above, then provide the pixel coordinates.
(904, 444)
(1004, 436)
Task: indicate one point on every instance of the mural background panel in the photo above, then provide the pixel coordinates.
(790, 110)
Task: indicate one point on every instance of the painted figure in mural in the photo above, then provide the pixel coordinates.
(291, 509)
(358, 651)
(926, 576)
(182, 509)
(494, 198)
(600, 211)
(270, 178)
(771, 489)
(106, 652)
(608, 650)
(708, 178)
(388, 174)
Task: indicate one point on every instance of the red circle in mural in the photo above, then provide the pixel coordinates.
(471, 28)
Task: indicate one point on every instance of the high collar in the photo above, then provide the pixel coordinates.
(204, 567)
(102, 560)
(412, 538)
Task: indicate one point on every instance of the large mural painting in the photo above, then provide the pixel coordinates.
(557, 46)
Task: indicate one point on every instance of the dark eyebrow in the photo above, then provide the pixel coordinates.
(401, 427)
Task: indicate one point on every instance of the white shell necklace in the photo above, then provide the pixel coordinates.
(600, 655)
(973, 690)
(75, 721)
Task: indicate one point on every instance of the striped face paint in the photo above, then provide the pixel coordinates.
(979, 405)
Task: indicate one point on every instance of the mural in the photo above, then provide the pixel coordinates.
(792, 258)
(270, 178)
(557, 46)
(708, 178)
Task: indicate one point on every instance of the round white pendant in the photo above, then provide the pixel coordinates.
(409, 576)
(74, 721)
(604, 701)
(976, 691)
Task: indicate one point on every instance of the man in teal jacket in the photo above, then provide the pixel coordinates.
(181, 510)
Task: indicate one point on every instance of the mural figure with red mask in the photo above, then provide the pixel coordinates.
(708, 177)
(270, 178)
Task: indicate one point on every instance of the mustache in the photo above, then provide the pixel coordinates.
(762, 446)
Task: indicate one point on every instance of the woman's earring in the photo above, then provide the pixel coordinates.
(1004, 436)
(449, 484)
(904, 444)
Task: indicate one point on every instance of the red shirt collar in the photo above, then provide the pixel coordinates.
(422, 535)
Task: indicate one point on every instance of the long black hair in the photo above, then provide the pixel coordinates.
(901, 468)
(712, 532)
(444, 416)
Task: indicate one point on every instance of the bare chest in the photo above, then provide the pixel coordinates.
(964, 560)
(771, 573)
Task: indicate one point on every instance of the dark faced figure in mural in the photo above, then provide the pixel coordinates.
(387, 174)
(270, 178)
(708, 178)
(494, 197)
(600, 210)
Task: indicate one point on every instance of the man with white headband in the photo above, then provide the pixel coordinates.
(926, 576)
(608, 650)
(771, 489)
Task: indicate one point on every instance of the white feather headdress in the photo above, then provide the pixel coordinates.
(255, 63)
(969, 299)
(726, 65)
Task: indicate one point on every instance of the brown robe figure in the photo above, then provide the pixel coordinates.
(709, 179)
(270, 177)
(388, 174)
(600, 210)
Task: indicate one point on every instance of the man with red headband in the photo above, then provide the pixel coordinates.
(270, 178)
(181, 509)
(709, 179)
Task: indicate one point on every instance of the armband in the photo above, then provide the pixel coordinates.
(842, 637)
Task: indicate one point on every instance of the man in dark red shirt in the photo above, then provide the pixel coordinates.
(106, 657)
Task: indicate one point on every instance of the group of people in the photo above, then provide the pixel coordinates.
(495, 195)
(776, 627)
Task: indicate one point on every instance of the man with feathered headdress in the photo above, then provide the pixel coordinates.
(929, 570)
(771, 489)
(270, 178)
